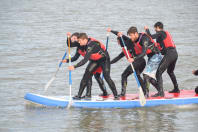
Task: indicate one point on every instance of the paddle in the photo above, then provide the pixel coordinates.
(53, 78)
(70, 78)
(107, 41)
(141, 94)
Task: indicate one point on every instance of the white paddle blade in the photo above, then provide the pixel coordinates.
(69, 104)
(70, 98)
(142, 97)
(49, 83)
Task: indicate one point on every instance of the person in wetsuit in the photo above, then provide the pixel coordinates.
(81, 50)
(195, 72)
(168, 49)
(142, 45)
(139, 64)
(98, 57)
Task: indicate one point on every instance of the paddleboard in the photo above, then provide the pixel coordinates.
(128, 101)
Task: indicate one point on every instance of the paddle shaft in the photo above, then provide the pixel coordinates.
(53, 78)
(106, 50)
(70, 78)
(60, 64)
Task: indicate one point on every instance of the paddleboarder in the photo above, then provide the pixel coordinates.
(168, 49)
(144, 45)
(81, 51)
(139, 64)
(98, 57)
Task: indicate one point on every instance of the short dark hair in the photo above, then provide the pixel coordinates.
(132, 30)
(159, 24)
(75, 34)
(82, 36)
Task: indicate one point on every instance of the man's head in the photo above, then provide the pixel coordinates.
(74, 37)
(158, 26)
(133, 33)
(83, 39)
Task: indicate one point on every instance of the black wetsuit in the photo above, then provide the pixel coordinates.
(168, 63)
(196, 73)
(147, 44)
(139, 63)
(97, 75)
(92, 48)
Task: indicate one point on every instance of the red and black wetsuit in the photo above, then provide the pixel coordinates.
(168, 49)
(81, 50)
(139, 63)
(97, 57)
(145, 45)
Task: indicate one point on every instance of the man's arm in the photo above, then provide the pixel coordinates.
(153, 36)
(123, 36)
(75, 57)
(117, 58)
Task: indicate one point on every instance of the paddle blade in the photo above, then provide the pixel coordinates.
(142, 97)
(49, 83)
(69, 104)
(70, 98)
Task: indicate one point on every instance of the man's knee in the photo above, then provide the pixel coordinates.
(124, 76)
(170, 72)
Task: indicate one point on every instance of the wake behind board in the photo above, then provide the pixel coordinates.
(129, 101)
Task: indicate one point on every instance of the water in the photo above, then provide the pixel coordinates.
(32, 40)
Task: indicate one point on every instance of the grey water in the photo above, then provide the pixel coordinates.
(32, 41)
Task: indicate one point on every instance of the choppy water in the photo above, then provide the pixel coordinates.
(32, 40)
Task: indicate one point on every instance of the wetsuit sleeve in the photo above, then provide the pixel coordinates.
(90, 49)
(117, 58)
(153, 36)
(196, 72)
(73, 44)
(114, 32)
(75, 57)
(123, 36)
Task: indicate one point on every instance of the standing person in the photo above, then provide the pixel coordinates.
(195, 72)
(98, 56)
(143, 45)
(168, 49)
(139, 64)
(81, 50)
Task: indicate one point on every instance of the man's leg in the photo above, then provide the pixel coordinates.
(162, 67)
(128, 71)
(86, 77)
(106, 72)
(101, 83)
(170, 72)
(139, 66)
